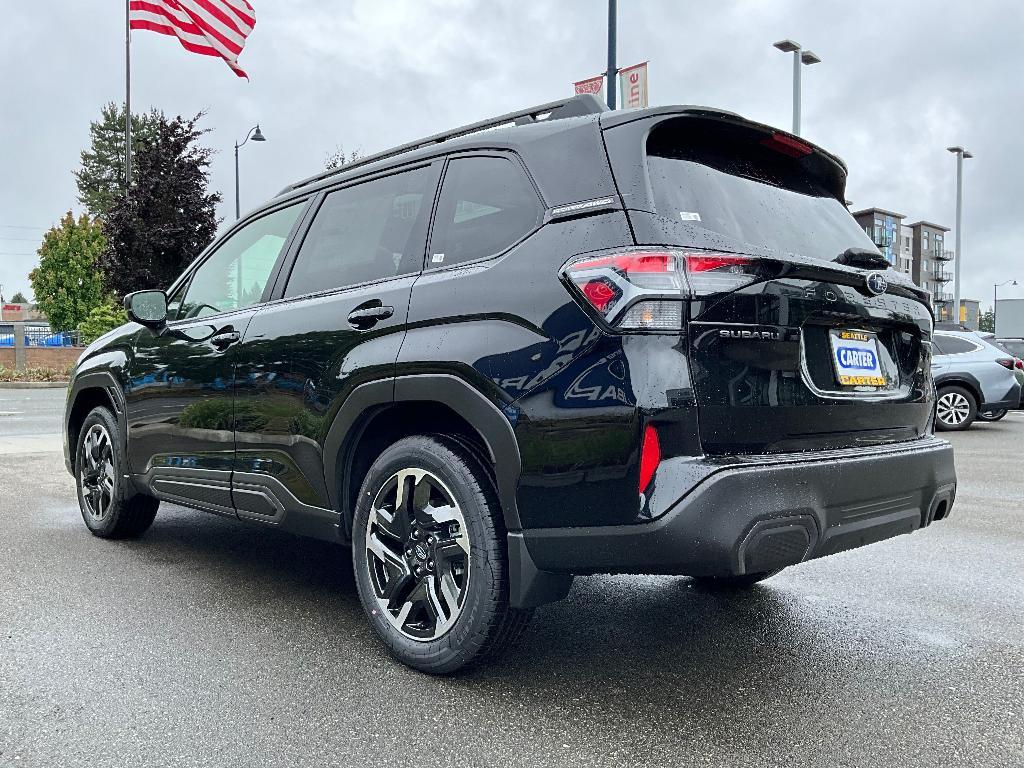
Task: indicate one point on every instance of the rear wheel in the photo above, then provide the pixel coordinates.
(994, 415)
(732, 583)
(955, 409)
(430, 557)
(110, 508)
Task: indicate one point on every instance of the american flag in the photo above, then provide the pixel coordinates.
(210, 27)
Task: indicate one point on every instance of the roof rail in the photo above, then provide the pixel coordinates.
(574, 106)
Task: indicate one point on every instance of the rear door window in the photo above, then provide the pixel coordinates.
(487, 205)
(363, 233)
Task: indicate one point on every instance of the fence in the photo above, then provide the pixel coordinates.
(35, 345)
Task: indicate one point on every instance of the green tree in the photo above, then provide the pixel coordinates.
(987, 321)
(102, 318)
(157, 230)
(101, 177)
(338, 158)
(19, 298)
(67, 283)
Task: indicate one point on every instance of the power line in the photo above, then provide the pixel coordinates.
(20, 226)
(21, 239)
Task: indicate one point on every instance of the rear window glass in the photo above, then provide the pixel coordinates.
(751, 193)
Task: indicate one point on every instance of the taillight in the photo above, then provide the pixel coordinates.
(1019, 365)
(644, 290)
(1006, 362)
(650, 456)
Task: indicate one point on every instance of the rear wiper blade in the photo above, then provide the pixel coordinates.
(862, 258)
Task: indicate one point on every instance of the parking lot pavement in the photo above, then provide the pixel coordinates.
(211, 643)
(30, 420)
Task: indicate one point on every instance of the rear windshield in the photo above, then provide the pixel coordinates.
(755, 193)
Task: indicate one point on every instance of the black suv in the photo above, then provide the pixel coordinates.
(564, 341)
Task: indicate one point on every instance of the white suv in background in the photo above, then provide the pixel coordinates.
(971, 376)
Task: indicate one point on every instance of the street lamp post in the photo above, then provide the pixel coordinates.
(961, 155)
(257, 136)
(995, 299)
(800, 56)
(612, 68)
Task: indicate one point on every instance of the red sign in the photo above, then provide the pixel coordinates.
(594, 85)
(12, 307)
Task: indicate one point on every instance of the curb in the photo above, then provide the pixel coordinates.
(33, 385)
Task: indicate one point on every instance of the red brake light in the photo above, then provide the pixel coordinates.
(650, 457)
(787, 145)
(696, 262)
(1019, 365)
(1006, 362)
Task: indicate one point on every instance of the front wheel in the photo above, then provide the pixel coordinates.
(955, 409)
(430, 557)
(993, 415)
(110, 509)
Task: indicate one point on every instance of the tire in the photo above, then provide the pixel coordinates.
(110, 507)
(994, 415)
(436, 607)
(955, 409)
(732, 583)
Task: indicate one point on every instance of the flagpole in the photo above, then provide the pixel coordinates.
(127, 97)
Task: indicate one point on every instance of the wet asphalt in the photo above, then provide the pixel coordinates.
(210, 643)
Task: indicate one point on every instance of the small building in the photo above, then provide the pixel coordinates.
(931, 266)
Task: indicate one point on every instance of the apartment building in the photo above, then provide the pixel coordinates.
(931, 265)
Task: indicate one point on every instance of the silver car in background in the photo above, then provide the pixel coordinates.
(971, 376)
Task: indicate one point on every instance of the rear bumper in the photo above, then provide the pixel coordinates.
(760, 515)
(1011, 400)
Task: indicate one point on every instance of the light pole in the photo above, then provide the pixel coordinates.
(800, 56)
(995, 299)
(961, 155)
(257, 136)
(612, 69)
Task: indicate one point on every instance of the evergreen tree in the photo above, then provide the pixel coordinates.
(987, 321)
(19, 298)
(338, 158)
(158, 229)
(67, 283)
(101, 178)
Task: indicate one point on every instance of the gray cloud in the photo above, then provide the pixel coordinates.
(898, 83)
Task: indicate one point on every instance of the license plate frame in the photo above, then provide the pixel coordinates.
(855, 358)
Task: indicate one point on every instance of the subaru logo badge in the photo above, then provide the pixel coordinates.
(876, 283)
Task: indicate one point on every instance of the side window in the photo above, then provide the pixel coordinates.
(365, 232)
(174, 301)
(235, 276)
(954, 345)
(487, 204)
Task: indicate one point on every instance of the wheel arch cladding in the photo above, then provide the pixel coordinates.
(91, 391)
(419, 404)
(964, 381)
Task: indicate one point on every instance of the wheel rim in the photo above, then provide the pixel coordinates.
(97, 472)
(417, 554)
(953, 408)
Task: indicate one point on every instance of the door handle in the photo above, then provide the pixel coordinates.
(367, 315)
(225, 339)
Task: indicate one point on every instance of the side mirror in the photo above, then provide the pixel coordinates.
(147, 307)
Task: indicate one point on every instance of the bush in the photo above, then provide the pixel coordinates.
(36, 374)
(105, 317)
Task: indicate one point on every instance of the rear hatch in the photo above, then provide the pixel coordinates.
(799, 337)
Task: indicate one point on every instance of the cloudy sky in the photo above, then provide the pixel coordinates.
(899, 82)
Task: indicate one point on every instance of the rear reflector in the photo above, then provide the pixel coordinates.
(650, 457)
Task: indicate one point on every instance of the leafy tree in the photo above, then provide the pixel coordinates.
(101, 178)
(987, 321)
(19, 298)
(67, 283)
(102, 318)
(338, 158)
(158, 229)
